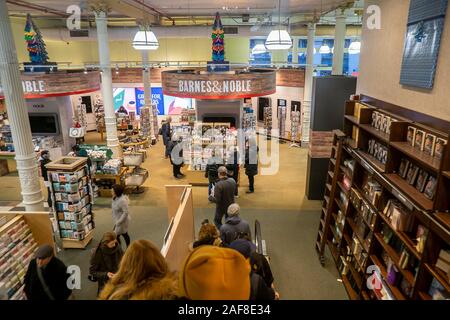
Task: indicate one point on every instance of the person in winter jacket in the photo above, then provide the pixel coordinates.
(251, 163)
(223, 195)
(143, 275)
(211, 171)
(259, 290)
(234, 225)
(166, 134)
(176, 156)
(105, 260)
(208, 235)
(233, 168)
(44, 159)
(46, 277)
(120, 213)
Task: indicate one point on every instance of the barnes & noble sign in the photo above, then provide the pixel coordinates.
(229, 85)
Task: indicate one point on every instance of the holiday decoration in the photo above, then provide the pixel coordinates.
(218, 52)
(35, 43)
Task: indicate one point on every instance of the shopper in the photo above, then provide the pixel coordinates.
(105, 260)
(44, 159)
(166, 134)
(223, 195)
(120, 213)
(234, 225)
(176, 156)
(211, 171)
(259, 288)
(208, 235)
(251, 163)
(233, 168)
(46, 277)
(214, 273)
(143, 275)
(78, 152)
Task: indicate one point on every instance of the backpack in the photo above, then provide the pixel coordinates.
(261, 266)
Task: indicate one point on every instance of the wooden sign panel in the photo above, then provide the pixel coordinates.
(39, 85)
(291, 78)
(228, 85)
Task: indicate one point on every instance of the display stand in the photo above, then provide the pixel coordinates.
(114, 178)
(181, 231)
(137, 176)
(295, 128)
(20, 236)
(72, 197)
(268, 122)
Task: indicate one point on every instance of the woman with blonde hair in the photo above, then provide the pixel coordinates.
(143, 275)
(208, 235)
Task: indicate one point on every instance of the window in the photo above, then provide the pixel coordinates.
(259, 58)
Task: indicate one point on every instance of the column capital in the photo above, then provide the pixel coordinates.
(312, 26)
(100, 9)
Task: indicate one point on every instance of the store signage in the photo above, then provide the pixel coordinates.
(32, 86)
(61, 83)
(210, 85)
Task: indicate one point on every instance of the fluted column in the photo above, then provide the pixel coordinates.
(106, 85)
(307, 96)
(27, 165)
(147, 88)
(339, 44)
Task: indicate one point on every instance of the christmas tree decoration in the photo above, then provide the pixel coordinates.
(35, 43)
(218, 48)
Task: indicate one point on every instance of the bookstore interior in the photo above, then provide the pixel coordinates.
(360, 193)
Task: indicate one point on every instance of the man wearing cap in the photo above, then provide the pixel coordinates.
(46, 277)
(234, 225)
(222, 195)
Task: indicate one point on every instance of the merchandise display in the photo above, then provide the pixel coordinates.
(295, 126)
(72, 197)
(145, 122)
(268, 121)
(281, 121)
(5, 133)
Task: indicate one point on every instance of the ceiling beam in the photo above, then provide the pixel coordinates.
(143, 4)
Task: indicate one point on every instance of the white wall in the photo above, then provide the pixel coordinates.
(287, 93)
(381, 60)
(63, 107)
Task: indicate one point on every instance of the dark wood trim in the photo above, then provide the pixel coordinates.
(415, 116)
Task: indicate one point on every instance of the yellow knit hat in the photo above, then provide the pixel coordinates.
(214, 273)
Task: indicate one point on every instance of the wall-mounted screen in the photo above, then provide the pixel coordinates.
(44, 124)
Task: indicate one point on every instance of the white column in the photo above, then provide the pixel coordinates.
(147, 88)
(339, 44)
(307, 97)
(106, 85)
(27, 165)
(295, 50)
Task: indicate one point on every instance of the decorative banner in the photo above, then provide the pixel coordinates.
(157, 99)
(230, 85)
(422, 42)
(57, 84)
(174, 105)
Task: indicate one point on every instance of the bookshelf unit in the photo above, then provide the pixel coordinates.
(72, 198)
(20, 236)
(393, 222)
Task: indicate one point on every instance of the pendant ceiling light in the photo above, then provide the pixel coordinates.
(145, 40)
(324, 49)
(259, 48)
(278, 39)
(355, 47)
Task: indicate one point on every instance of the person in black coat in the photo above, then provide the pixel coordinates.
(176, 156)
(251, 164)
(223, 195)
(166, 134)
(211, 171)
(106, 259)
(43, 160)
(46, 277)
(233, 168)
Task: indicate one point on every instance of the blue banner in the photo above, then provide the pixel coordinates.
(157, 99)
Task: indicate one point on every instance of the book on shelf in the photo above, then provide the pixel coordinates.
(443, 262)
(374, 118)
(404, 167)
(439, 147)
(437, 291)
(430, 187)
(393, 275)
(419, 139)
(421, 236)
(421, 180)
(410, 137)
(384, 122)
(430, 143)
(411, 176)
(406, 288)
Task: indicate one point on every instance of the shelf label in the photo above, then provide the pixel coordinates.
(402, 199)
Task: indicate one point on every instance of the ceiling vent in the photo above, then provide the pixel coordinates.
(230, 30)
(79, 33)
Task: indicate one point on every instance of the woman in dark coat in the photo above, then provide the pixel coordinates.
(105, 260)
(251, 164)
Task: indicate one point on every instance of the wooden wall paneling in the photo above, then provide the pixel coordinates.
(290, 78)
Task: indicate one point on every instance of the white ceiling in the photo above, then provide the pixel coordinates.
(188, 7)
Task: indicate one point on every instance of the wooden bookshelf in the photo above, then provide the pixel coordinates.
(446, 174)
(374, 161)
(420, 156)
(352, 119)
(443, 218)
(350, 291)
(376, 133)
(410, 190)
(395, 291)
(424, 296)
(439, 275)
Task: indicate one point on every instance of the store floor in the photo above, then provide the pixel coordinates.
(289, 222)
